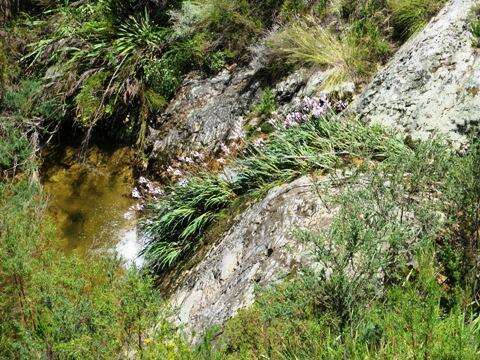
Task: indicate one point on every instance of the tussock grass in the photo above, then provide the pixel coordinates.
(349, 51)
(180, 219)
(305, 42)
(410, 16)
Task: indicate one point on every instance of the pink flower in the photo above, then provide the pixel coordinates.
(225, 149)
(136, 193)
(185, 159)
(198, 155)
(259, 142)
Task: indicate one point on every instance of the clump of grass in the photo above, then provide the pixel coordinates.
(179, 220)
(410, 16)
(475, 27)
(323, 143)
(307, 43)
(351, 55)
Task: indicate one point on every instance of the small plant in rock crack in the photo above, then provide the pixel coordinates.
(267, 104)
(475, 27)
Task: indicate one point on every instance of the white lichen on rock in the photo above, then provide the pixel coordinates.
(258, 250)
(432, 84)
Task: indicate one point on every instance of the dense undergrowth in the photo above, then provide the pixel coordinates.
(322, 144)
(114, 64)
(397, 273)
(55, 305)
(398, 269)
(402, 260)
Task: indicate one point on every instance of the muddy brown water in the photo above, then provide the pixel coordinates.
(90, 199)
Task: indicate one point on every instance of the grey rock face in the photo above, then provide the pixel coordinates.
(207, 113)
(259, 249)
(432, 84)
(204, 114)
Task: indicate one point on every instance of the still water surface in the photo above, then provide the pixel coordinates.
(90, 200)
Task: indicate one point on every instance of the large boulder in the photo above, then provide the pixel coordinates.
(258, 250)
(432, 84)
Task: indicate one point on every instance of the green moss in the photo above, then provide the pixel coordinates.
(89, 102)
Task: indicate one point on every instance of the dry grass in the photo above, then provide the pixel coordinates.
(306, 42)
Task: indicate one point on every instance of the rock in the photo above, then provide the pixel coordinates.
(432, 84)
(259, 249)
(307, 83)
(204, 114)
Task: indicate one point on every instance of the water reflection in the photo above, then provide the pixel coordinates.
(88, 199)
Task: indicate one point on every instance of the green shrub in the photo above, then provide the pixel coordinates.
(462, 199)
(15, 147)
(29, 100)
(377, 289)
(230, 25)
(65, 306)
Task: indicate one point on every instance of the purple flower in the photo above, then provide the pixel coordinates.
(198, 155)
(185, 159)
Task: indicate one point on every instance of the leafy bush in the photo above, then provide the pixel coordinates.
(15, 148)
(459, 254)
(229, 24)
(64, 306)
(28, 100)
